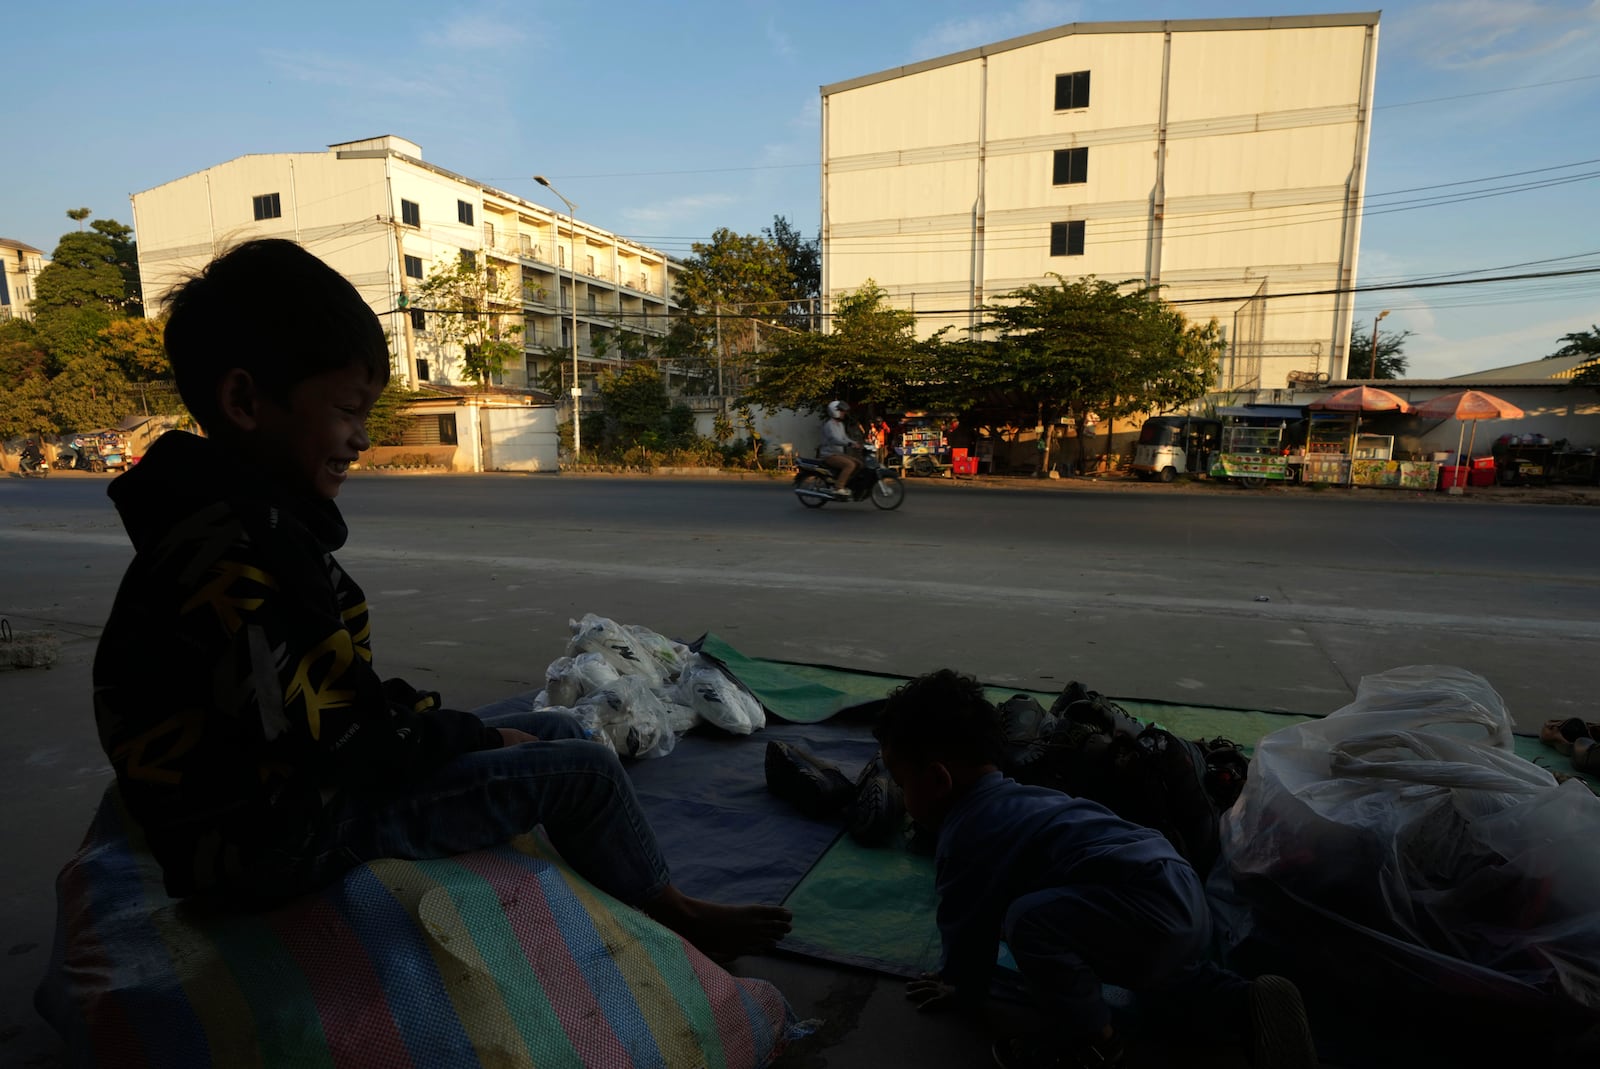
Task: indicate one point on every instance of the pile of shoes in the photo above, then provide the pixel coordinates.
(1574, 738)
(871, 805)
(1089, 746)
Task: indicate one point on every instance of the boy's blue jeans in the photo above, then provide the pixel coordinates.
(1149, 934)
(576, 789)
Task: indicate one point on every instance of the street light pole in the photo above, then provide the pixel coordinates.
(572, 274)
(1372, 365)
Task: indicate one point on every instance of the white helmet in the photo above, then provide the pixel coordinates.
(838, 409)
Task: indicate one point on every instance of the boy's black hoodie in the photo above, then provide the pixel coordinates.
(234, 688)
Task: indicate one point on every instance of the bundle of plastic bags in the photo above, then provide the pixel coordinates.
(637, 690)
(1406, 819)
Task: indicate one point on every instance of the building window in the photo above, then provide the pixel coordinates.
(591, 302)
(413, 267)
(410, 213)
(422, 369)
(267, 206)
(447, 429)
(591, 266)
(491, 281)
(488, 235)
(469, 258)
(566, 334)
(419, 319)
(1072, 91)
(1066, 239)
(463, 212)
(1071, 166)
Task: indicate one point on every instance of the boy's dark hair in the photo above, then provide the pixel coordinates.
(275, 310)
(941, 716)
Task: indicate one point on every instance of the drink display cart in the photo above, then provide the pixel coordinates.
(1254, 451)
(923, 449)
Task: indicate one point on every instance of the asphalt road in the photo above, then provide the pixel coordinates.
(1152, 594)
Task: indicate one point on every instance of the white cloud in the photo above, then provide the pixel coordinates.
(955, 35)
(676, 208)
(778, 39)
(1469, 34)
(494, 28)
(369, 79)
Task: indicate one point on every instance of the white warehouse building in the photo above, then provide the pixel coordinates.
(383, 218)
(1223, 159)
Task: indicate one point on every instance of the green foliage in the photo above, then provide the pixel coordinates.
(126, 256)
(25, 408)
(1078, 347)
(635, 402)
(870, 356)
(1392, 360)
(90, 394)
(77, 294)
(680, 422)
(386, 422)
(804, 260)
(744, 281)
(1579, 343)
(135, 347)
(21, 353)
(478, 308)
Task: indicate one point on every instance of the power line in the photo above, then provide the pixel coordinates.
(1486, 92)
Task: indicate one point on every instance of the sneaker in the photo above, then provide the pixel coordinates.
(841, 495)
(878, 813)
(1280, 1035)
(811, 785)
(1023, 1054)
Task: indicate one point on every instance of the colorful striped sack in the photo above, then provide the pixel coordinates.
(501, 957)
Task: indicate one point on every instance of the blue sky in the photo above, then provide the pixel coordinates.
(664, 121)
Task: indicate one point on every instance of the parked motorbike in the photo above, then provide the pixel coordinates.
(813, 484)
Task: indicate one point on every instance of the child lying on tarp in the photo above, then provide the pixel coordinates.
(234, 688)
(1079, 895)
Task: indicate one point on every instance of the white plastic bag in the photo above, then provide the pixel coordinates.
(569, 679)
(596, 634)
(1406, 814)
(631, 716)
(707, 690)
(670, 655)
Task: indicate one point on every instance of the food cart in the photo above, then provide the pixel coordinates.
(1255, 443)
(923, 448)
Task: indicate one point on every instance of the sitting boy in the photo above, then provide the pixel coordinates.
(1080, 896)
(234, 688)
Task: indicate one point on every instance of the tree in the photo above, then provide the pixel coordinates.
(89, 394)
(125, 252)
(134, 347)
(728, 289)
(1085, 346)
(636, 403)
(1392, 359)
(386, 423)
(804, 260)
(1579, 343)
(477, 307)
(25, 408)
(869, 357)
(78, 215)
(21, 354)
(77, 294)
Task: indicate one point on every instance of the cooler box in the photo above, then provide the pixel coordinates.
(1452, 476)
(964, 465)
(1479, 463)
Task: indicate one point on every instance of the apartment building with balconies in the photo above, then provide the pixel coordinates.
(20, 264)
(385, 218)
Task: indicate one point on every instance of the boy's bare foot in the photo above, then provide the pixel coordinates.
(721, 932)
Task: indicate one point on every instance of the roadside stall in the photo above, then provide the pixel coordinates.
(1255, 444)
(923, 449)
(1464, 406)
(1367, 459)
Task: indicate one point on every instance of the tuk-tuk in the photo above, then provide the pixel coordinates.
(1170, 446)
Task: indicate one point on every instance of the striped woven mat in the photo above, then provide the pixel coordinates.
(501, 957)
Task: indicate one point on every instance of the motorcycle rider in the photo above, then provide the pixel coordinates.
(31, 458)
(836, 447)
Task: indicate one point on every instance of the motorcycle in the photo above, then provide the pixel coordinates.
(29, 468)
(813, 484)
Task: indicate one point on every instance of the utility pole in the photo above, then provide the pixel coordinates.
(720, 402)
(572, 273)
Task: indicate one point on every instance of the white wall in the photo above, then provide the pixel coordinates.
(520, 439)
